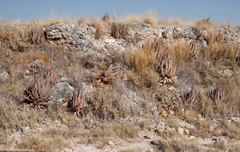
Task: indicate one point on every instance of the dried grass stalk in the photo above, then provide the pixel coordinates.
(52, 74)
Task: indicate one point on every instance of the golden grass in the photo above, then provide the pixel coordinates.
(141, 59)
(131, 19)
(204, 24)
(151, 18)
(180, 52)
(81, 20)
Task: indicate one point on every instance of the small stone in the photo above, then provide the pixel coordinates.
(180, 130)
(110, 143)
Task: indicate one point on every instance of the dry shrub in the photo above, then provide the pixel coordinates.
(151, 18)
(175, 21)
(145, 124)
(141, 59)
(16, 117)
(180, 52)
(114, 129)
(147, 78)
(16, 38)
(81, 20)
(106, 103)
(37, 34)
(99, 25)
(40, 143)
(204, 24)
(36, 55)
(232, 131)
(131, 19)
(222, 53)
(177, 144)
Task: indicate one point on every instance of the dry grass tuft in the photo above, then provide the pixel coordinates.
(141, 59)
(81, 20)
(114, 129)
(151, 18)
(222, 53)
(204, 24)
(180, 52)
(106, 103)
(41, 143)
(99, 24)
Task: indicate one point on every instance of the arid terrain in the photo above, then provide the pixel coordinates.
(137, 84)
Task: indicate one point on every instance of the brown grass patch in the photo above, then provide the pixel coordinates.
(180, 52)
(40, 143)
(106, 103)
(151, 18)
(141, 59)
(204, 24)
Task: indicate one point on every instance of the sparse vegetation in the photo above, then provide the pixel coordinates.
(119, 109)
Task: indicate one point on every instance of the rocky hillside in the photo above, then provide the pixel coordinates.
(141, 87)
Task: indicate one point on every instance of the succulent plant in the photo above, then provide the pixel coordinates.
(193, 49)
(76, 104)
(193, 97)
(111, 74)
(219, 94)
(39, 91)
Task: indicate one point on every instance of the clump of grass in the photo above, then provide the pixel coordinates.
(180, 52)
(40, 143)
(145, 124)
(99, 24)
(114, 129)
(106, 103)
(151, 18)
(141, 59)
(222, 53)
(131, 19)
(15, 38)
(81, 20)
(204, 24)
